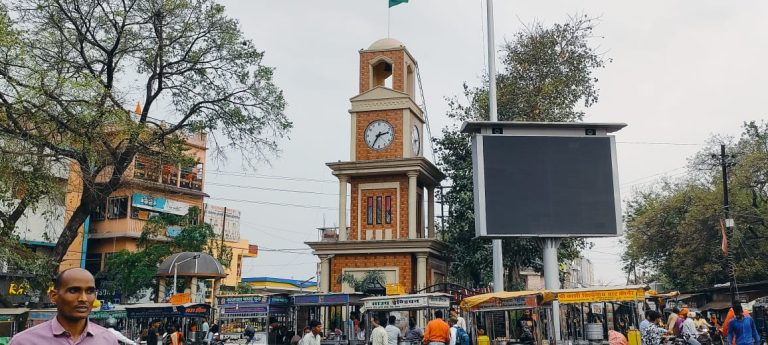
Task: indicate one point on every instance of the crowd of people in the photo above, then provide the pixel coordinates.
(693, 329)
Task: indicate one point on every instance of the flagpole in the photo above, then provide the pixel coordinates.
(389, 10)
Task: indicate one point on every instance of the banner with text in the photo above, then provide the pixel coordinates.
(601, 296)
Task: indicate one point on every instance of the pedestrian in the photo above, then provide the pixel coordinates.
(74, 291)
(482, 338)
(361, 330)
(414, 333)
(688, 328)
(615, 337)
(728, 317)
(379, 335)
(458, 335)
(296, 340)
(652, 334)
(437, 331)
(112, 328)
(742, 328)
(645, 323)
(249, 333)
(459, 320)
(679, 322)
(452, 330)
(526, 327)
(313, 337)
(205, 328)
(672, 320)
(175, 336)
(153, 334)
(393, 333)
(701, 323)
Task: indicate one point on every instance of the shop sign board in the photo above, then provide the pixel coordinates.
(7, 317)
(278, 300)
(159, 204)
(321, 299)
(408, 302)
(242, 300)
(152, 312)
(600, 296)
(181, 298)
(42, 314)
(521, 302)
(196, 310)
(214, 215)
(106, 314)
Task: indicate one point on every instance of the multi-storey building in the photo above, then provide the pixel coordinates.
(391, 219)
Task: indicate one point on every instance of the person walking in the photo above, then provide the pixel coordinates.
(414, 333)
(153, 334)
(112, 328)
(379, 335)
(742, 328)
(459, 320)
(437, 331)
(393, 333)
(672, 320)
(482, 338)
(74, 291)
(313, 337)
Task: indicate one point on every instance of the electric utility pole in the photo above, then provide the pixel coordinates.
(729, 224)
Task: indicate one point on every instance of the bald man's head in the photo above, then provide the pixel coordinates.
(61, 276)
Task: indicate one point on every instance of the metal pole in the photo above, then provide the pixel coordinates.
(223, 226)
(552, 277)
(175, 270)
(728, 225)
(498, 267)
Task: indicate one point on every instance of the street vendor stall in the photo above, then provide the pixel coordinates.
(511, 317)
(140, 317)
(117, 313)
(266, 314)
(192, 317)
(419, 306)
(334, 310)
(587, 314)
(38, 316)
(12, 321)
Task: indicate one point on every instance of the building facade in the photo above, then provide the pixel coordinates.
(579, 273)
(391, 219)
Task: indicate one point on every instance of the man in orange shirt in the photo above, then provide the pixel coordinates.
(437, 332)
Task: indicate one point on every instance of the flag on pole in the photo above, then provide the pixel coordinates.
(724, 243)
(393, 3)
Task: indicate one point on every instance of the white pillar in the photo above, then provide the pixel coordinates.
(161, 290)
(193, 290)
(325, 273)
(412, 204)
(421, 271)
(214, 299)
(343, 208)
(431, 212)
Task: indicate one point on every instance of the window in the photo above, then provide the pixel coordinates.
(117, 207)
(146, 168)
(378, 210)
(388, 209)
(192, 177)
(137, 213)
(369, 213)
(99, 212)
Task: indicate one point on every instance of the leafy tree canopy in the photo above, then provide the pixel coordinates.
(70, 70)
(154, 247)
(674, 228)
(547, 75)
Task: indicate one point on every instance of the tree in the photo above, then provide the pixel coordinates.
(547, 73)
(193, 237)
(70, 69)
(674, 227)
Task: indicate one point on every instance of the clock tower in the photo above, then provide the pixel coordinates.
(390, 226)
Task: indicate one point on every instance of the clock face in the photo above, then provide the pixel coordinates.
(415, 140)
(379, 134)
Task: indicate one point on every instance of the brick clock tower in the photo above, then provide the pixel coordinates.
(391, 220)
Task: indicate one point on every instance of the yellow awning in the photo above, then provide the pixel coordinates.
(510, 299)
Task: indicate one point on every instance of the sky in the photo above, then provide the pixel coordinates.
(680, 72)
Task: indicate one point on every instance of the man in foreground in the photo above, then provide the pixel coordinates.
(437, 331)
(74, 291)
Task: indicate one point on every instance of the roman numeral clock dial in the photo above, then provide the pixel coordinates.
(379, 134)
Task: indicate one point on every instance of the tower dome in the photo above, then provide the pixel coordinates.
(386, 43)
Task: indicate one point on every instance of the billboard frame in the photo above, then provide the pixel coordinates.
(481, 129)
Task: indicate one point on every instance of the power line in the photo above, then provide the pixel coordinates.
(269, 177)
(658, 143)
(257, 202)
(270, 189)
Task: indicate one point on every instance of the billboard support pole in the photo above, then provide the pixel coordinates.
(498, 267)
(549, 247)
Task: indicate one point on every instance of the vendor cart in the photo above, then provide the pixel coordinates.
(38, 316)
(587, 314)
(511, 317)
(335, 310)
(140, 317)
(12, 321)
(419, 306)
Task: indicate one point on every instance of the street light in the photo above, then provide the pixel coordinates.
(176, 268)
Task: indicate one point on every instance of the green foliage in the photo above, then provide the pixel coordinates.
(547, 74)
(154, 248)
(34, 266)
(244, 289)
(673, 228)
(71, 70)
(370, 278)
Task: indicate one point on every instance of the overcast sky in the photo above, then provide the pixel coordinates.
(681, 72)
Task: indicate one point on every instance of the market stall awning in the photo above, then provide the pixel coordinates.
(13, 311)
(716, 306)
(667, 295)
(601, 294)
(328, 299)
(506, 299)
